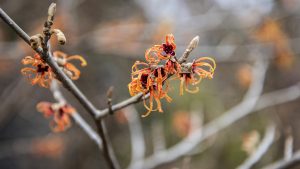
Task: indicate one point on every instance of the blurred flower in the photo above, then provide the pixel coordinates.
(244, 75)
(250, 141)
(52, 146)
(40, 73)
(61, 114)
(270, 32)
(181, 122)
(193, 73)
(161, 52)
(63, 61)
(121, 117)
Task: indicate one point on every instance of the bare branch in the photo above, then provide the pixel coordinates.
(288, 145)
(66, 81)
(193, 44)
(158, 136)
(285, 164)
(75, 115)
(261, 149)
(138, 147)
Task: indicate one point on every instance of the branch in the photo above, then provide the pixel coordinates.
(75, 115)
(285, 164)
(66, 81)
(261, 149)
(138, 147)
(47, 56)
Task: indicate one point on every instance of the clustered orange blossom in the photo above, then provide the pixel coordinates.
(161, 63)
(41, 73)
(61, 114)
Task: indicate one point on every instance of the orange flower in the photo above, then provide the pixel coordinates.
(161, 52)
(63, 61)
(40, 73)
(149, 79)
(50, 146)
(61, 114)
(181, 123)
(172, 66)
(193, 73)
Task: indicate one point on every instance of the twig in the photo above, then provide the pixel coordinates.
(261, 149)
(75, 115)
(158, 137)
(107, 147)
(67, 82)
(285, 164)
(109, 99)
(138, 147)
(193, 44)
(288, 145)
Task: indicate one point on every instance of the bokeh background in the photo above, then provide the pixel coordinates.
(112, 35)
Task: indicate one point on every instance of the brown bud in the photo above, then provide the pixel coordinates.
(60, 36)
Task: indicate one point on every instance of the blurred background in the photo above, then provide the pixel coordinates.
(111, 36)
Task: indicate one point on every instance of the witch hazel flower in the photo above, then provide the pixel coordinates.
(60, 112)
(151, 77)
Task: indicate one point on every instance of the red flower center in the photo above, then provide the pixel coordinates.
(42, 69)
(168, 49)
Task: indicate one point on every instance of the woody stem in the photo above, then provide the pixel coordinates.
(68, 84)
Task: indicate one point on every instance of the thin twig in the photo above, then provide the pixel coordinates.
(68, 84)
(66, 81)
(107, 147)
(109, 99)
(193, 44)
(138, 147)
(75, 115)
(285, 164)
(288, 145)
(158, 136)
(261, 149)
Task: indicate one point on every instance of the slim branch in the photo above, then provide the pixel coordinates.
(66, 81)
(138, 147)
(285, 164)
(75, 115)
(261, 149)
(107, 147)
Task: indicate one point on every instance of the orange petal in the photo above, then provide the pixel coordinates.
(60, 54)
(77, 57)
(45, 108)
(74, 70)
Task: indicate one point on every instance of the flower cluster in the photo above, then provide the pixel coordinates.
(61, 114)
(161, 63)
(41, 73)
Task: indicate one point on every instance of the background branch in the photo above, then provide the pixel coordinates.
(262, 148)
